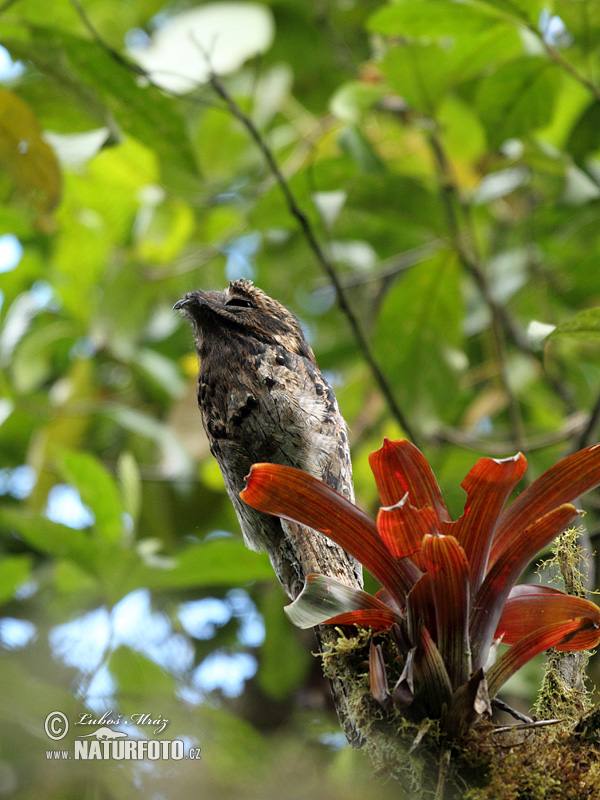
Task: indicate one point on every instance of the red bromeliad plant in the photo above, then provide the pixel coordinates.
(449, 593)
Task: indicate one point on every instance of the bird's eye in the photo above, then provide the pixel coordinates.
(239, 302)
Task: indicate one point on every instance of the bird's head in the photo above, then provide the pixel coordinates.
(242, 311)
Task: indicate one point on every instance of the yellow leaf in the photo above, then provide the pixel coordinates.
(27, 159)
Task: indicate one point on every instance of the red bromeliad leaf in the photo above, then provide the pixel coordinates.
(536, 642)
(449, 570)
(404, 690)
(491, 597)
(468, 703)
(295, 495)
(432, 674)
(326, 600)
(488, 486)
(531, 607)
(399, 467)
(402, 528)
(562, 483)
(420, 609)
(390, 601)
(378, 675)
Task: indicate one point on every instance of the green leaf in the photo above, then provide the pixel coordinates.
(585, 325)
(423, 72)
(583, 140)
(130, 484)
(522, 10)
(98, 490)
(517, 98)
(221, 562)
(14, 571)
(431, 19)
(137, 677)
(88, 70)
(422, 317)
(353, 142)
(352, 99)
(284, 659)
(49, 537)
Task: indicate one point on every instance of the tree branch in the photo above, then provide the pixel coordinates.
(587, 433)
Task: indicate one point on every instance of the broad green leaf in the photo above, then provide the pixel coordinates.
(284, 659)
(221, 562)
(14, 571)
(353, 142)
(527, 11)
(585, 326)
(423, 72)
(49, 537)
(517, 98)
(137, 676)
(422, 317)
(27, 159)
(98, 490)
(431, 19)
(32, 362)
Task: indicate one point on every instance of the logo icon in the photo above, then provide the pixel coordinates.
(103, 734)
(56, 725)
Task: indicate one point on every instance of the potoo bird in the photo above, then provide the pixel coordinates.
(263, 398)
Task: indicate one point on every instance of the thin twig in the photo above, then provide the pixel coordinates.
(388, 268)
(541, 723)
(562, 62)
(322, 259)
(444, 766)
(110, 50)
(572, 427)
(587, 433)
(502, 706)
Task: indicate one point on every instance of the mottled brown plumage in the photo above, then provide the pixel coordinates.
(263, 398)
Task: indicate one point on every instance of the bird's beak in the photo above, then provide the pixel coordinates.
(185, 301)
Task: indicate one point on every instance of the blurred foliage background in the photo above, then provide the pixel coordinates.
(445, 155)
